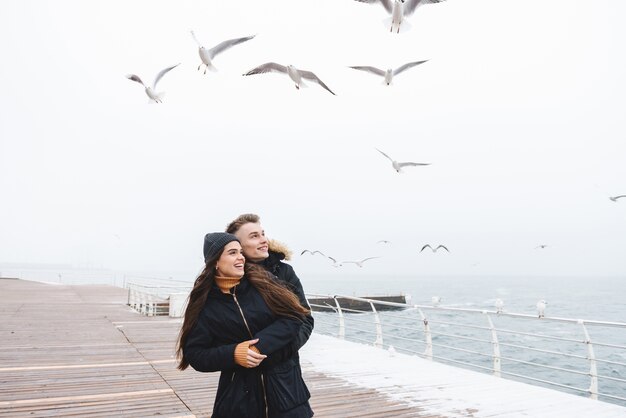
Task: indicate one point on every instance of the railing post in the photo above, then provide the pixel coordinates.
(137, 301)
(496, 348)
(142, 303)
(429, 339)
(132, 297)
(379, 329)
(150, 303)
(342, 324)
(593, 370)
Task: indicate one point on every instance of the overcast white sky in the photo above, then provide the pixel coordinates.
(520, 110)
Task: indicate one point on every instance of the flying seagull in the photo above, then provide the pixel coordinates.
(398, 9)
(151, 91)
(542, 246)
(398, 166)
(207, 55)
(312, 252)
(541, 308)
(359, 263)
(383, 241)
(434, 249)
(614, 198)
(295, 74)
(390, 73)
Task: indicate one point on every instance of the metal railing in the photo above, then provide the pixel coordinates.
(152, 300)
(519, 346)
(151, 281)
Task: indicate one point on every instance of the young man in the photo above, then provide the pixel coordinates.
(258, 249)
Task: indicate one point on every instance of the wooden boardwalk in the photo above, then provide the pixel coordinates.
(79, 351)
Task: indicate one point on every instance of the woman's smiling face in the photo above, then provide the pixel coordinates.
(232, 261)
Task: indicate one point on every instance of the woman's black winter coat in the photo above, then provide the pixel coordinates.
(284, 273)
(243, 392)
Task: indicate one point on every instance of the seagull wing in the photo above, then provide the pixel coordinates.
(442, 246)
(305, 251)
(227, 44)
(411, 5)
(318, 252)
(368, 258)
(409, 164)
(390, 159)
(372, 70)
(162, 73)
(136, 78)
(268, 68)
(618, 197)
(386, 4)
(310, 76)
(426, 246)
(407, 66)
(331, 259)
(196, 39)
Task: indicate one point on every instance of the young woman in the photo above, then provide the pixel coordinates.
(239, 321)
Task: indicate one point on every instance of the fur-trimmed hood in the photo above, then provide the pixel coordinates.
(280, 249)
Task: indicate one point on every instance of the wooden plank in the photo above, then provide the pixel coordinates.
(82, 366)
(84, 397)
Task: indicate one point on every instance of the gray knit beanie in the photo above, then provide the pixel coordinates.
(214, 242)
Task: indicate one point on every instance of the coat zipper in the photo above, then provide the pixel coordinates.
(251, 337)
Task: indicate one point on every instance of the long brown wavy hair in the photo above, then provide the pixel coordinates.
(280, 300)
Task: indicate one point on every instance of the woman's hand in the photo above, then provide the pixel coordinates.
(253, 357)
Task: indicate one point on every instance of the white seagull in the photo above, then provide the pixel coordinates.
(399, 9)
(207, 55)
(542, 246)
(359, 263)
(614, 198)
(436, 300)
(151, 91)
(499, 305)
(390, 73)
(383, 241)
(397, 165)
(434, 249)
(541, 308)
(293, 73)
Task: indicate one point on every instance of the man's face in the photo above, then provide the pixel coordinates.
(253, 241)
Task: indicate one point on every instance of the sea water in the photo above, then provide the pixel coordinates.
(459, 337)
